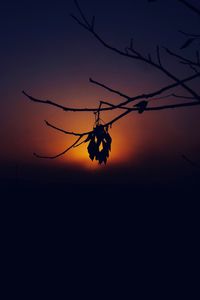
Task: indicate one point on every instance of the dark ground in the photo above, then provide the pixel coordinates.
(153, 200)
(103, 229)
(61, 191)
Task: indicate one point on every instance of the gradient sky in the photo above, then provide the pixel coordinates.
(44, 52)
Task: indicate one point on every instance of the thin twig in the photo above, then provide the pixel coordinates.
(153, 94)
(182, 96)
(156, 108)
(190, 6)
(81, 13)
(49, 102)
(158, 55)
(184, 59)
(189, 34)
(109, 89)
(67, 132)
(191, 162)
(60, 154)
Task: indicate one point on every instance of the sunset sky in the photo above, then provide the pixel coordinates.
(46, 53)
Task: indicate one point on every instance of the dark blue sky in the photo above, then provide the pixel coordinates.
(44, 52)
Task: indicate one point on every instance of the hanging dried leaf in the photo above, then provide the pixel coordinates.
(99, 144)
(108, 140)
(92, 148)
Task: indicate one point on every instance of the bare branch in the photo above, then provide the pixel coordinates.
(76, 146)
(173, 106)
(190, 6)
(147, 96)
(158, 55)
(67, 132)
(81, 13)
(113, 106)
(189, 34)
(144, 96)
(162, 90)
(156, 108)
(109, 89)
(191, 162)
(182, 58)
(110, 105)
(182, 97)
(193, 68)
(170, 75)
(98, 113)
(90, 29)
(60, 154)
(49, 102)
(187, 43)
(138, 56)
(93, 22)
(79, 22)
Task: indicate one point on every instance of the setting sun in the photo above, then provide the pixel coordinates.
(120, 154)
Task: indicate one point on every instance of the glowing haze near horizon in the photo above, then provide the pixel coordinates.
(45, 53)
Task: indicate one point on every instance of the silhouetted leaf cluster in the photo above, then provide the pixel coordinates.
(99, 144)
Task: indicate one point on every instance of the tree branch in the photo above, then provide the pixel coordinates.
(72, 109)
(182, 97)
(158, 55)
(110, 105)
(109, 89)
(81, 13)
(153, 94)
(182, 58)
(191, 162)
(156, 108)
(190, 6)
(67, 132)
(136, 55)
(189, 34)
(60, 154)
